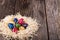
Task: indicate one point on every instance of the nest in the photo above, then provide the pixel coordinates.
(21, 34)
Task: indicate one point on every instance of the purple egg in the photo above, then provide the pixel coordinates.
(25, 25)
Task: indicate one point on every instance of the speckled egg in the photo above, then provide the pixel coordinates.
(25, 25)
(21, 28)
(21, 21)
(15, 30)
(15, 20)
(11, 26)
(17, 25)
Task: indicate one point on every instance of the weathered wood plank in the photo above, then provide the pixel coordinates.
(34, 9)
(58, 1)
(52, 15)
(7, 7)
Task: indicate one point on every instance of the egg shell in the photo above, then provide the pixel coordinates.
(15, 20)
(21, 28)
(25, 25)
(15, 30)
(21, 21)
(11, 26)
(17, 25)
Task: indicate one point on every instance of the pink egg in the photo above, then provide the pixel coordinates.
(15, 30)
(21, 21)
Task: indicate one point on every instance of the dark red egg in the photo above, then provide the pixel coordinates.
(15, 30)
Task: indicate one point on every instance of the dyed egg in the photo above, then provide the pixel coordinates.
(11, 26)
(17, 25)
(21, 28)
(15, 20)
(21, 21)
(15, 30)
(25, 25)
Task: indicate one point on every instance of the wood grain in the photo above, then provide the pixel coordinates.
(6, 8)
(58, 1)
(44, 11)
(31, 8)
(35, 9)
(52, 15)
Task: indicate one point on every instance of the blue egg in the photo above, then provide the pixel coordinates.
(11, 26)
(15, 20)
(25, 25)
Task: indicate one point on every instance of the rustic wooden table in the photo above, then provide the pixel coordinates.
(45, 11)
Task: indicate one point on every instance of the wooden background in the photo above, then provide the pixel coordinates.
(45, 11)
